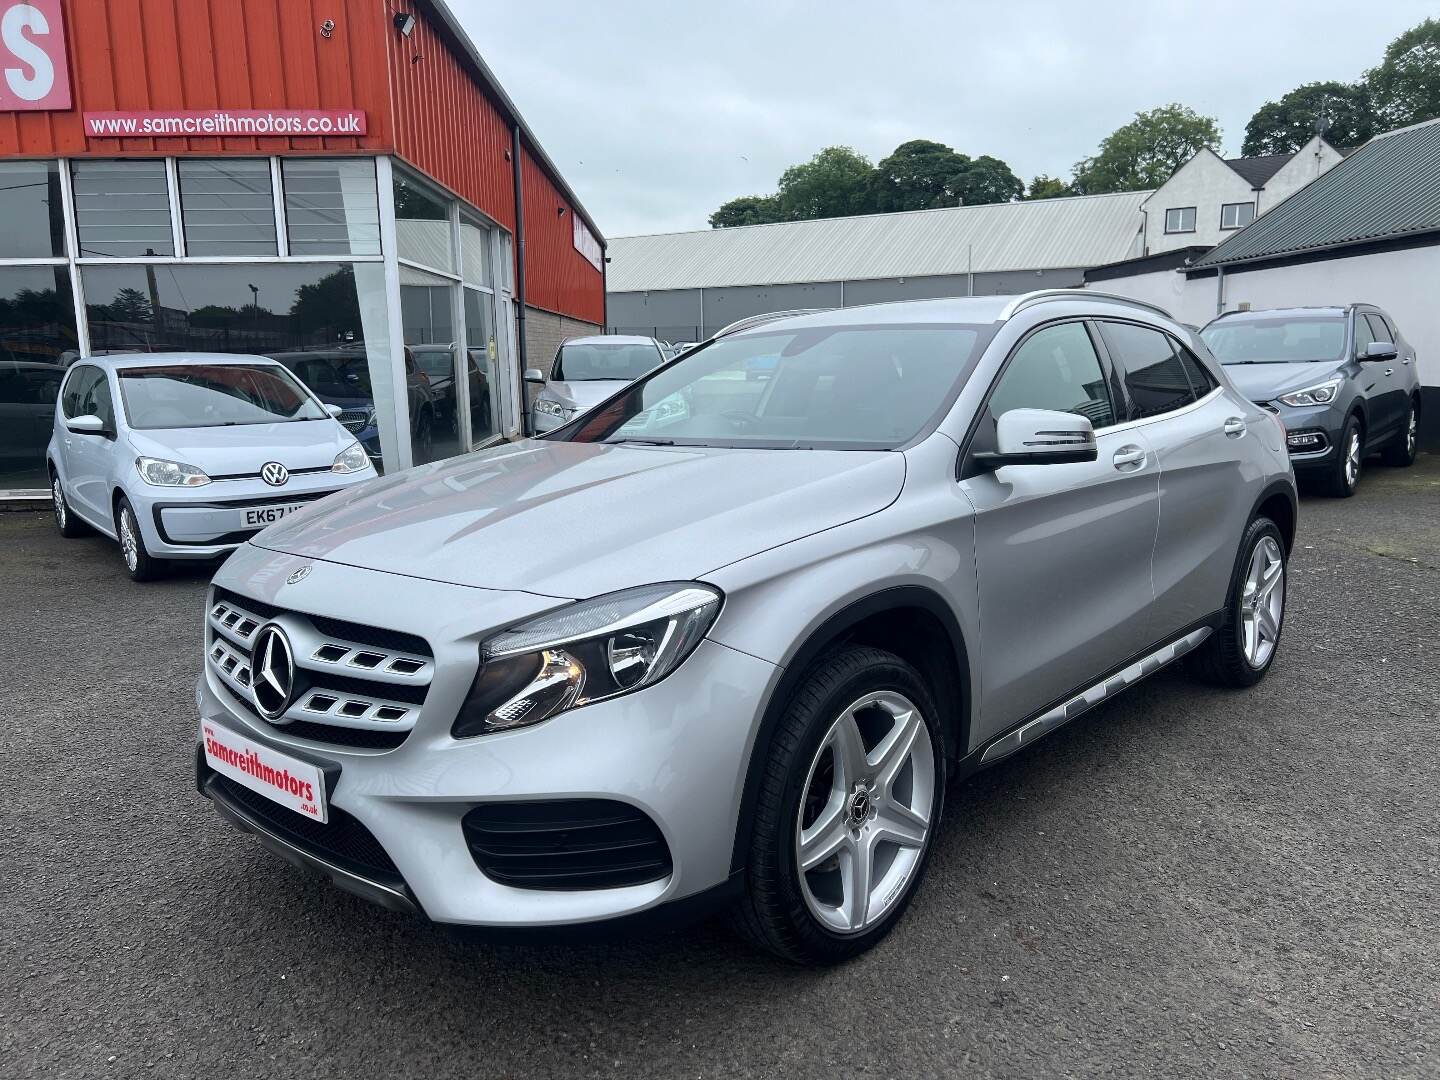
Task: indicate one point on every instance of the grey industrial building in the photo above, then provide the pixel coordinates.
(685, 286)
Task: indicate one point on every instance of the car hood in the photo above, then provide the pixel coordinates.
(242, 449)
(584, 393)
(576, 520)
(1262, 382)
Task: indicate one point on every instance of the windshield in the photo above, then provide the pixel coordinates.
(872, 388)
(213, 395)
(1277, 341)
(331, 376)
(587, 363)
(436, 363)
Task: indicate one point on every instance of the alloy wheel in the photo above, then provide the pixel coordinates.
(1412, 433)
(1352, 459)
(865, 812)
(129, 547)
(57, 498)
(1262, 604)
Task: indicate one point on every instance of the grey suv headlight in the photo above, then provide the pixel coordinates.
(552, 408)
(588, 652)
(164, 473)
(1319, 394)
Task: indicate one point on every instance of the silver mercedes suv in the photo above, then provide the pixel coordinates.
(724, 641)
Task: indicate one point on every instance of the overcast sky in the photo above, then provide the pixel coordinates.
(657, 112)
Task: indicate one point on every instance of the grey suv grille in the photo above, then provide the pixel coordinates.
(354, 685)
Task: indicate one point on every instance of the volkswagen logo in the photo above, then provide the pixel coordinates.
(299, 575)
(274, 474)
(272, 672)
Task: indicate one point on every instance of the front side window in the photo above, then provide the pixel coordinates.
(840, 388)
(227, 206)
(1180, 219)
(122, 208)
(1056, 368)
(1379, 329)
(1280, 340)
(1236, 215)
(213, 395)
(593, 362)
(77, 387)
(1155, 377)
(96, 400)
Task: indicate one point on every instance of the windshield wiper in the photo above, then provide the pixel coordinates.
(641, 442)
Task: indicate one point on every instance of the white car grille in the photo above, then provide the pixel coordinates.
(352, 685)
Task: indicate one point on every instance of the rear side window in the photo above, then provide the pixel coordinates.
(1200, 378)
(77, 386)
(1154, 374)
(1056, 368)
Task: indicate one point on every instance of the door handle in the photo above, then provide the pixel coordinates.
(1406, 361)
(1234, 427)
(1389, 371)
(1129, 458)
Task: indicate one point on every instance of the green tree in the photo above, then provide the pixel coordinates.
(746, 210)
(834, 183)
(1405, 87)
(1339, 111)
(130, 305)
(1143, 153)
(1048, 187)
(328, 306)
(918, 175)
(986, 179)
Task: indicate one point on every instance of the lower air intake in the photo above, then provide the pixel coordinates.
(571, 844)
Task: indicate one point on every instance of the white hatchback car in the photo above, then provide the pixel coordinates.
(187, 455)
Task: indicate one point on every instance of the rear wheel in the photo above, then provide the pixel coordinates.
(847, 812)
(139, 564)
(1402, 451)
(1241, 651)
(1345, 472)
(65, 520)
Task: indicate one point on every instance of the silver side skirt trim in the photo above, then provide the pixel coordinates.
(1101, 691)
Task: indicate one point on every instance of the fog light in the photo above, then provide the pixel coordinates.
(1304, 440)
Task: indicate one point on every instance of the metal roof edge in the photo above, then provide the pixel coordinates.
(451, 25)
(1291, 253)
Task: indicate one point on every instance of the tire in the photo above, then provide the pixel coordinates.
(1227, 657)
(138, 562)
(856, 698)
(1401, 453)
(66, 522)
(1344, 474)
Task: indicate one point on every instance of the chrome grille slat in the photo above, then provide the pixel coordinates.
(234, 622)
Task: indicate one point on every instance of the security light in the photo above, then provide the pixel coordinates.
(405, 23)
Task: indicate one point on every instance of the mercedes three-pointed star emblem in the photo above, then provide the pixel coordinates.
(272, 676)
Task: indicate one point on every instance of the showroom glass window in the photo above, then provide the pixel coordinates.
(481, 347)
(37, 317)
(122, 209)
(331, 206)
(227, 206)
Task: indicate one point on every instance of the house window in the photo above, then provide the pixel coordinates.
(1236, 215)
(1180, 219)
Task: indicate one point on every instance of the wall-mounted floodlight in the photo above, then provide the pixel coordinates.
(405, 23)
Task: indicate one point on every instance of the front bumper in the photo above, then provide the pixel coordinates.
(676, 751)
(1322, 424)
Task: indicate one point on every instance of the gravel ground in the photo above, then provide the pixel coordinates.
(1184, 882)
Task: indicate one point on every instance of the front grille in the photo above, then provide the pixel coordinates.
(353, 420)
(570, 844)
(355, 685)
(342, 840)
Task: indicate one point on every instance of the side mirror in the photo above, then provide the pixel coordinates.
(1040, 437)
(1377, 351)
(534, 375)
(89, 424)
(334, 410)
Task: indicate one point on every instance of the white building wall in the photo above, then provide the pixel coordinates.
(1315, 157)
(1204, 182)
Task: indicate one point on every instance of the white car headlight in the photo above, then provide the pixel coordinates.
(1319, 394)
(164, 473)
(552, 408)
(352, 459)
(587, 652)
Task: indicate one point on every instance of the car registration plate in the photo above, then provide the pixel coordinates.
(268, 515)
(294, 784)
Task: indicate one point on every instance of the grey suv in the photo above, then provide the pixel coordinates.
(724, 641)
(1342, 378)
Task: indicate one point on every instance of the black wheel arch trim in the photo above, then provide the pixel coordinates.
(1287, 489)
(956, 723)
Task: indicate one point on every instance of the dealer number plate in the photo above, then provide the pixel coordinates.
(268, 515)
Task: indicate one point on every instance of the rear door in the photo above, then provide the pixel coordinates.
(1062, 551)
(1198, 434)
(1394, 388)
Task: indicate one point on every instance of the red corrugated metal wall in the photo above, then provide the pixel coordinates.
(203, 54)
(559, 278)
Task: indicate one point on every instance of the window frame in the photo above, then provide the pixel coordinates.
(1227, 206)
(1194, 219)
(1197, 397)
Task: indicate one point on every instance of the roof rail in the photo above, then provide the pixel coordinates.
(1041, 296)
(760, 320)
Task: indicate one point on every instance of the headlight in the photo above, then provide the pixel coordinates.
(352, 459)
(1319, 394)
(584, 653)
(164, 473)
(552, 408)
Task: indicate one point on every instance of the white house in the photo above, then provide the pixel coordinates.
(1209, 198)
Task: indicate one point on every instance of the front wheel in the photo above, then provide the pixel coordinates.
(1241, 651)
(1402, 451)
(139, 563)
(1345, 472)
(847, 812)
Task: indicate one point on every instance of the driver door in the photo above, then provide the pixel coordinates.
(1062, 552)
